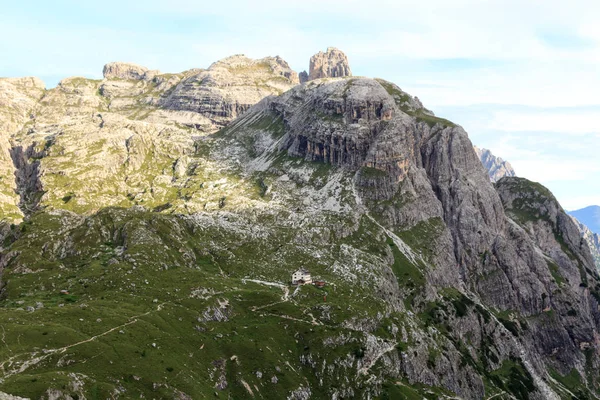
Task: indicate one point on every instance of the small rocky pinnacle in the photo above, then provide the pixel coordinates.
(303, 76)
(331, 64)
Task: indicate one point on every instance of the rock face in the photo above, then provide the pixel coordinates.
(120, 70)
(230, 86)
(148, 235)
(592, 239)
(366, 107)
(496, 167)
(18, 99)
(303, 76)
(345, 117)
(4, 396)
(331, 64)
(511, 247)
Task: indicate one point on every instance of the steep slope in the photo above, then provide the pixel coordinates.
(18, 97)
(438, 283)
(589, 216)
(498, 169)
(420, 177)
(496, 166)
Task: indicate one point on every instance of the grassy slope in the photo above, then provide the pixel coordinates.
(159, 304)
(145, 311)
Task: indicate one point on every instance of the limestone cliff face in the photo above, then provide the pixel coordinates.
(511, 247)
(323, 134)
(332, 63)
(497, 167)
(18, 99)
(230, 86)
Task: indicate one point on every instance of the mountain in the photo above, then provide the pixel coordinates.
(590, 216)
(593, 240)
(163, 219)
(123, 140)
(497, 167)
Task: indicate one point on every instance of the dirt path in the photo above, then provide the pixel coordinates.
(365, 369)
(4, 338)
(36, 358)
(403, 247)
(284, 298)
(500, 394)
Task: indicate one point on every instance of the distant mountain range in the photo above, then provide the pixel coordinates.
(589, 216)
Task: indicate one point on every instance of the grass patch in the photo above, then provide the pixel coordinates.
(373, 173)
(422, 236)
(408, 275)
(514, 378)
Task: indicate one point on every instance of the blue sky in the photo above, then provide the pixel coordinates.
(520, 76)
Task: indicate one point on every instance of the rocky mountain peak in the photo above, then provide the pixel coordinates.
(122, 70)
(330, 64)
(496, 166)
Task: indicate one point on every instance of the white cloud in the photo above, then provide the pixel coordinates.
(572, 203)
(566, 122)
(555, 169)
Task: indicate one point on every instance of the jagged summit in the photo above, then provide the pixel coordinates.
(332, 63)
(496, 166)
(498, 169)
(230, 86)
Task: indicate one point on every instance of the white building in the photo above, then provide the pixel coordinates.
(301, 277)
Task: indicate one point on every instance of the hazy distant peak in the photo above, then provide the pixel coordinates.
(497, 168)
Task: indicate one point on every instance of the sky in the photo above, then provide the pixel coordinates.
(522, 77)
